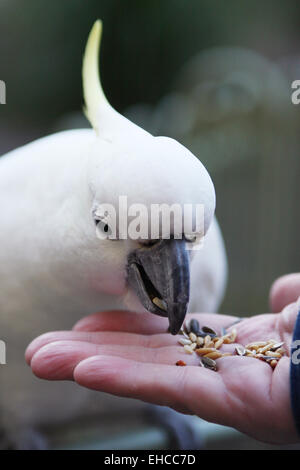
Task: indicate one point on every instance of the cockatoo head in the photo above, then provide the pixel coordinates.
(148, 172)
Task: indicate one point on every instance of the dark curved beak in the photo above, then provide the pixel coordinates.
(160, 276)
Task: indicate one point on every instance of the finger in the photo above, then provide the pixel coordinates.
(100, 337)
(257, 328)
(119, 337)
(188, 389)
(56, 361)
(286, 323)
(118, 320)
(284, 291)
(144, 323)
(51, 337)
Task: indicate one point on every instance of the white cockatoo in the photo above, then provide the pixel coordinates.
(54, 269)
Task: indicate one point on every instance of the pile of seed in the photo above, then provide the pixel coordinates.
(206, 343)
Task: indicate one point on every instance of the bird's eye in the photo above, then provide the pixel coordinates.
(102, 228)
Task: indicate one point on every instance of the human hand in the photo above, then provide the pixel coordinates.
(128, 354)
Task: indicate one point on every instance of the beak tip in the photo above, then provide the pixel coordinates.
(174, 331)
(176, 317)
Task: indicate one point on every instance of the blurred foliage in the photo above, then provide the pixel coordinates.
(231, 106)
(145, 43)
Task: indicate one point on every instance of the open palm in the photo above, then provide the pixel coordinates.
(132, 355)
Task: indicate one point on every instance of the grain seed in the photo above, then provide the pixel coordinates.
(265, 348)
(226, 339)
(193, 337)
(272, 354)
(203, 351)
(256, 345)
(219, 343)
(214, 355)
(250, 353)
(208, 341)
(160, 303)
(259, 356)
(233, 335)
(200, 341)
(269, 358)
(184, 341)
(276, 346)
(188, 349)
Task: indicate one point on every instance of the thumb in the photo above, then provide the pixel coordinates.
(284, 291)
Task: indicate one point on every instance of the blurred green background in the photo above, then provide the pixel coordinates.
(216, 75)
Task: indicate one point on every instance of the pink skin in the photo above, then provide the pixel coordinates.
(131, 355)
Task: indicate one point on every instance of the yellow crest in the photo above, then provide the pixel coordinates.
(92, 89)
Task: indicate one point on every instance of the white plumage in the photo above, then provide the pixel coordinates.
(53, 268)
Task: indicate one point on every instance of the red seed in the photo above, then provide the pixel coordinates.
(180, 363)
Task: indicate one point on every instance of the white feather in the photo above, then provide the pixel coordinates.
(53, 268)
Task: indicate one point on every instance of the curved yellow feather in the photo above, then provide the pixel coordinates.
(92, 90)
